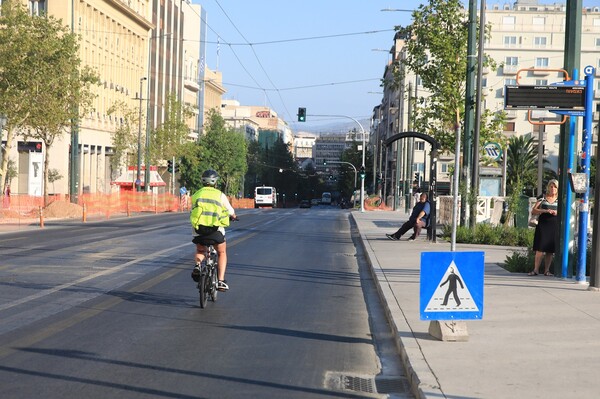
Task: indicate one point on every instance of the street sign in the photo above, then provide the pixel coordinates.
(451, 285)
(493, 151)
(544, 97)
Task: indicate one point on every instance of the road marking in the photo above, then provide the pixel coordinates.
(62, 325)
(50, 291)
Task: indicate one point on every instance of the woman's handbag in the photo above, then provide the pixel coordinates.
(533, 221)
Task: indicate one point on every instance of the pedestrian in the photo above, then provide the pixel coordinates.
(418, 219)
(544, 239)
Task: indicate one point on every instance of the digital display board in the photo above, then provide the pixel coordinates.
(544, 97)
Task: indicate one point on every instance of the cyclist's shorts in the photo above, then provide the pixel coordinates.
(208, 236)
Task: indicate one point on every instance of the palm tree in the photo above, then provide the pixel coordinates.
(521, 165)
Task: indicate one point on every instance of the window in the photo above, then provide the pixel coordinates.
(541, 82)
(511, 61)
(541, 62)
(444, 167)
(509, 127)
(419, 145)
(539, 42)
(598, 42)
(539, 21)
(508, 20)
(510, 41)
(510, 82)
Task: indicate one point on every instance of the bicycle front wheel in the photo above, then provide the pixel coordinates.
(203, 289)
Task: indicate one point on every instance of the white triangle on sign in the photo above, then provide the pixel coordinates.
(451, 287)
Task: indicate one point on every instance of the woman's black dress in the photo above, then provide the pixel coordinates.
(545, 232)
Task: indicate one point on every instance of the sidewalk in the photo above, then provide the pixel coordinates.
(539, 336)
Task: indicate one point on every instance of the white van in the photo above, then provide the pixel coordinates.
(326, 198)
(265, 196)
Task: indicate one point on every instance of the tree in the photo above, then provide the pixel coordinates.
(221, 149)
(54, 175)
(436, 51)
(55, 88)
(521, 165)
(124, 139)
(173, 133)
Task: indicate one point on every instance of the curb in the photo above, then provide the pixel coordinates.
(423, 382)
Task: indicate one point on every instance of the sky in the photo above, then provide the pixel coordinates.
(327, 56)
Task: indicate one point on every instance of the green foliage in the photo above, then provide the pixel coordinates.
(124, 138)
(167, 140)
(436, 44)
(491, 235)
(221, 149)
(42, 84)
(521, 165)
(521, 261)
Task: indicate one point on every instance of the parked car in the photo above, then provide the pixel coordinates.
(305, 204)
(314, 201)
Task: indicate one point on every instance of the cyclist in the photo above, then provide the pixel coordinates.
(210, 215)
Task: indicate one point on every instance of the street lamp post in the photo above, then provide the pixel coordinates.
(138, 181)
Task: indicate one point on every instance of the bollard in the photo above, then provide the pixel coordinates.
(84, 218)
(128, 212)
(41, 217)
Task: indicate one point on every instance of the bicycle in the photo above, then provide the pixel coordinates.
(207, 282)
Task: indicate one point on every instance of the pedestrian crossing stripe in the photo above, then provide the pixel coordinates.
(451, 285)
(445, 299)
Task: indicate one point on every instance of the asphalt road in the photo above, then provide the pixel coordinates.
(108, 309)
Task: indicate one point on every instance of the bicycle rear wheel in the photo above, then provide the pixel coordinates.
(213, 286)
(203, 289)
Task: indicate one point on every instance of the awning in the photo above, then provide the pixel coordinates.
(129, 177)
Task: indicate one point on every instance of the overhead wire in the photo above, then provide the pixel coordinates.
(259, 62)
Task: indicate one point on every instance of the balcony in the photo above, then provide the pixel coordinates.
(191, 85)
(510, 69)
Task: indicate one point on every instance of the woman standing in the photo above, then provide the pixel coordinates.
(545, 232)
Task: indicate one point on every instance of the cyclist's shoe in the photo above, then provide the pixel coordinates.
(196, 273)
(222, 285)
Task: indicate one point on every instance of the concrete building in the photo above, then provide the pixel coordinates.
(142, 51)
(524, 34)
(256, 120)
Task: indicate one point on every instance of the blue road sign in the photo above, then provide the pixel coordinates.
(183, 190)
(451, 285)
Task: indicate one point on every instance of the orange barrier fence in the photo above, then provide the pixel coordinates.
(376, 204)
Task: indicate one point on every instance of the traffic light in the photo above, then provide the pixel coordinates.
(170, 166)
(301, 114)
(362, 172)
(176, 167)
(417, 177)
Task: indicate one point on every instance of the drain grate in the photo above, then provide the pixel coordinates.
(358, 384)
(370, 385)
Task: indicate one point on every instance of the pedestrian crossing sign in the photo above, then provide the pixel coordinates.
(451, 285)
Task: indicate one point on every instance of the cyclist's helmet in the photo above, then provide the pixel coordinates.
(209, 178)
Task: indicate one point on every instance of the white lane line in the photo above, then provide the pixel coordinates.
(50, 291)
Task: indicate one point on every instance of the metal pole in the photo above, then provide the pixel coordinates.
(477, 130)
(540, 165)
(595, 262)
(585, 167)
(455, 188)
(138, 181)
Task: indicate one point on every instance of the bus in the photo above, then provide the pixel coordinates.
(326, 198)
(265, 196)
